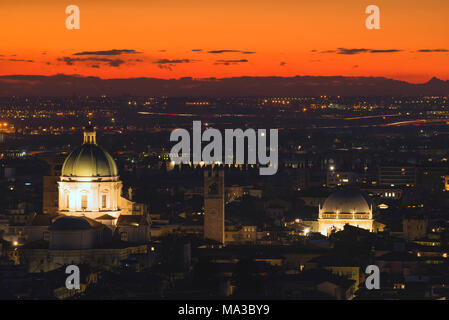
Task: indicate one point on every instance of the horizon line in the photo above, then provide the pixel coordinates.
(216, 78)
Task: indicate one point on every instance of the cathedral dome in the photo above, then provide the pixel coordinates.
(346, 201)
(89, 160)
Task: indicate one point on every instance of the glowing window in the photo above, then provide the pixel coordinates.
(84, 202)
(104, 201)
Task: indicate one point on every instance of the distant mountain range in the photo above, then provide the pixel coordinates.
(67, 85)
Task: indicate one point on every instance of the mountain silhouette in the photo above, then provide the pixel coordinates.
(66, 85)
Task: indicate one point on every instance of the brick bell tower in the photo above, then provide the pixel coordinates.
(214, 202)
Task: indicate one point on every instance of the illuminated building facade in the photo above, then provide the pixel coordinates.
(89, 185)
(343, 207)
(91, 215)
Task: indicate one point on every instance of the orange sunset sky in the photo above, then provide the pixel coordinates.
(209, 38)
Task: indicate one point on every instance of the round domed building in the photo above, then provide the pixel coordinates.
(89, 184)
(349, 206)
(94, 222)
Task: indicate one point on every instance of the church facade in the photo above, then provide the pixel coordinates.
(94, 222)
(90, 185)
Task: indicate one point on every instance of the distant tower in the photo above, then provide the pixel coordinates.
(50, 184)
(214, 211)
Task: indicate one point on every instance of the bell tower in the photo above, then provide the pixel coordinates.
(214, 211)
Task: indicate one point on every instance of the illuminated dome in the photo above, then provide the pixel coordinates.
(89, 160)
(346, 201)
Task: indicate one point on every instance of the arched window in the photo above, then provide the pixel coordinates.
(67, 201)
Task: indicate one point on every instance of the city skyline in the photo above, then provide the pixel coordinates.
(213, 155)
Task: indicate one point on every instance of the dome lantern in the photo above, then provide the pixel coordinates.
(90, 136)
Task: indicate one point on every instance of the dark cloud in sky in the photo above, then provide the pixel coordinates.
(111, 62)
(113, 52)
(229, 62)
(385, 51)
(222, 51)
(114, 62)
(170, 63)
(351, 51)
(20, 60)
(230, 51)
(174, 61)
(433, 50)
(68, 61)
(3, 57)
